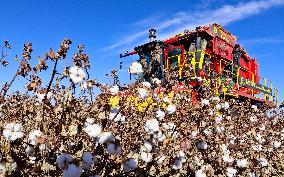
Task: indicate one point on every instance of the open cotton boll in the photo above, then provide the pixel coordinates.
(254, 107)
(263, 161)
(146, 84)
(93, 130)
(204, 102)
(7, 134)
(177, 164)
(257, 147)
(18, 127)
(152, 126)
(114, 90)
(10, 126)
(63, 159)
(114, 149)
(200, 173)
(88, 160)
(242, 163)
(194, 134)
(276, 144)
(225, 105)
(218, 119)
(156, 81)
(253, 119)
(29, 150)
(217, 99)
(202, 145)
(166, 99)
(231, 172)
(147, 146)
(130, 165)
(76, 74)
(33, 136)
(218, 106)
(41, 96)
(146, 157)
(262, 128)
(135, 68)
(89, 121)
(143, 93)
(181, 155)
(160, 115)
(106, 137)
(171, 109)
(72, 170)
(159, 136)
(259, 138)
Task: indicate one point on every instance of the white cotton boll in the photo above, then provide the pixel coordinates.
(114, 149)
(257, 148)
(88, 160)
(262, 128)
(276, 144)
(160, 115)
(271, 113)
(16, 135)
(146, 84)
(72, 171)
(218, 106)
(18, 127)
(217, 99)
(263, 161)
(253, 119)
(7, 134)
(171, 109)
(152, 126)
(89, 121)
(146, 157)
(231, 172)
(194, 134)
(159, 136)
(77, 74)
(156, 81)
(29, 150)
(259, 138)
(181, 155)
(63, 159)
(41, 96)
(106, 137)
(81, 73)
(228, 118)
(207, 132)
(2, 167)
(33, 136)
(93, 130)
(130, 165)
(143, 93)
(148, 146)
(114, 90)
(10, 126)
(254, 107)
(252, 174)
(135, 68)
(169, 126)
(42, 147)
(224, 148)
(225, 105)
(200, 173)
(242, 163)
(227, 159)
(204, 102)
(177, 164)
(202, 145)
(166, 99)
(219, 129)
(218, 119)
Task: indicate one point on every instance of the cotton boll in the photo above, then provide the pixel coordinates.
(146, 157)
(207, 132)
(33, 136)
(160, 115)
(166, 99)
(18, 127)
(262, 128)
(259, 138)
(218, 119)
(10, 126)
(114, 90)
(254, 107)
(76, 74)
(114, 149)
(93, 130)
(194, 134)
(200, 173)
(227, 159)
(231, 172)
(63, 159)
(42, 147)
(257, 148)
(148, 146)
(143, 93)
(146, 84)
(263, 161)
(204, 102)
(181, 155)
(202, 145)
(159, 136)
(2, 168)
(276, 144)
(152, 126)
(177, 164)
(225, 105)
(72, 171)
(41, 96)
(217, 99)
(219, 129)
(171, 109)
(130, 165)
(135, 68)
(242, 163)
(161, 159)
(218, 106)
(156, 81)
(7, 134)
(88, 160)
(29, 150)
(106, 137)
(89, 121)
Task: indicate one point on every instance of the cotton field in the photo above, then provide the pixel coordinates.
(144, 129)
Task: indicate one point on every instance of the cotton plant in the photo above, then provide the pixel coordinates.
(13, 131)
(77, 74)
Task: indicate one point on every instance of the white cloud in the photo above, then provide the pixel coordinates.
(189, 20)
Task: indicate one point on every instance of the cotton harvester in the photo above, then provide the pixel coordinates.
(211, 53)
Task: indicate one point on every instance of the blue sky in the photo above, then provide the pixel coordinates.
(110, 27)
